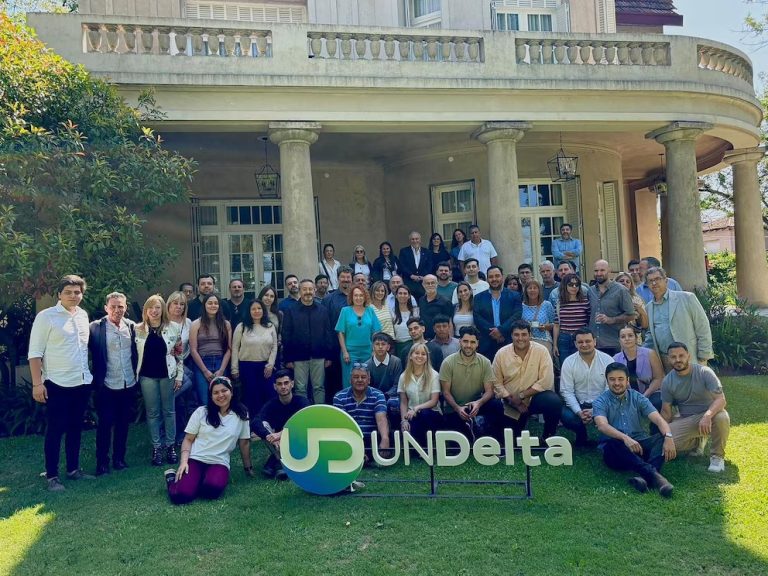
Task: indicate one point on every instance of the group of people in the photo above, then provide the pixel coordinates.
(397, 343)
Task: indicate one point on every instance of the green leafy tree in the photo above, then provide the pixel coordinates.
(78, 172)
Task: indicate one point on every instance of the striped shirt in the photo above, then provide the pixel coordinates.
(364, 413)
(573, 315)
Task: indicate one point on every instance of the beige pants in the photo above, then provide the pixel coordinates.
(686, 432)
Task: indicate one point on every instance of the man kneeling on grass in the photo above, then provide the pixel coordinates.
(622, 415)
(212, 433)
(269, 423)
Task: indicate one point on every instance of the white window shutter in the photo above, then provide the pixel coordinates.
(572, 193)
(611, 243)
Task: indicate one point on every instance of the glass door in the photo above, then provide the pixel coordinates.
(543, 211)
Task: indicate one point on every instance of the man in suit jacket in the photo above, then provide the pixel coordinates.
(676, 316)
(114, 357)
(415, 263)
(494, 311)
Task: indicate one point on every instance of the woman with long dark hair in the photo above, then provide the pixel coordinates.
(462, 314)
(210, 344)
(645, 368)
(457, 241)
(437, 251)
(254, 352)
(213, 432)
(572, 313)
(386, 265)
(404, 309)
(161, 371)
(329, 266)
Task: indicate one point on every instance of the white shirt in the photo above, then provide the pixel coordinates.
(332, 271)
(391, 302)
(483, 252)
(213, 445)
(120, 372)
(61, 340)
(414, 391)
(579, 382)
(416, 256)
(477, 288)
(377, 363)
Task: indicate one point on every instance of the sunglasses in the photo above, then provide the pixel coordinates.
(573, 285)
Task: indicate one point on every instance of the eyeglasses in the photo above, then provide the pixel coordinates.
(359, 251)
(655, 280)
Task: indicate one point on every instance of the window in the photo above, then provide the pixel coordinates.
(507, 21)
(544, 207)
(424, 13)
(453, 206)
(540, 195)
(423, 8)
(539, 23)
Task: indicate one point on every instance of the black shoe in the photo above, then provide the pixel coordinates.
(102, 469)
(281, 475)
(79, 475)
(638, 483)
(157, 456)
(170, 476)
(269, 471)
(663, 485)
(170, 455)
(119, 465)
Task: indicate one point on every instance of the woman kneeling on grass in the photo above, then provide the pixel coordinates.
(212, 433)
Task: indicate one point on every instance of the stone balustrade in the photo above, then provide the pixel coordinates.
(107, 38)
(725, 61)
(403, 47)
(593, 52)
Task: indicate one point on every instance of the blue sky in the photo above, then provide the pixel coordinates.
(723, 20)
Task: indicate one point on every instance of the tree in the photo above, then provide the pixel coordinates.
(77, 173)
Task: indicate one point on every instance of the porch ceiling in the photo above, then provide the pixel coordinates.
(640, 157)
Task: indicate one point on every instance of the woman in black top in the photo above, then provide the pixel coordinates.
(386, 265)
(437, 251)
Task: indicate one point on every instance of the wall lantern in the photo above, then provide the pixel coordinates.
(659, 186)
(267, 179)
(562, 168)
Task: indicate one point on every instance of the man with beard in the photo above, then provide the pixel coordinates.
(292, 287)
(206, 284)
(445, 286)
(622, 415)
(698, 395)
(466, 379)
(432, 305)
(566, 247)
(233, 306)
(612, 308)
(494, 312)
(472, 272)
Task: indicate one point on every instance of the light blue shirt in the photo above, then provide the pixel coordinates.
(645, 292)
(496, 305)
(628, 414)
(559, 246)
(661, 330)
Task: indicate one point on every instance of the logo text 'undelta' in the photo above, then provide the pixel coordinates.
(322, 449)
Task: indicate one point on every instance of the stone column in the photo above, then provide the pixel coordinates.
(506, 233)
(299, 230)
(684, 256)
(751, 269)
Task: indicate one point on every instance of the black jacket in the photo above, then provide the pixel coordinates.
(306, 333)
(97, 345)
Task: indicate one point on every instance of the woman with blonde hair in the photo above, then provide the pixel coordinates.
(380, 307)
(177, 314)
(539, 313)
(160, 370)
(360, 263)
(641, 319)
(355, 328)
(419, 391)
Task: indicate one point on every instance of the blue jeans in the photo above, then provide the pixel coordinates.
(566, 345)
(159, 402)
(212, 363)
(573, 422)
(257, 390)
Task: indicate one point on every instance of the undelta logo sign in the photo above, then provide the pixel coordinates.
(322, 449)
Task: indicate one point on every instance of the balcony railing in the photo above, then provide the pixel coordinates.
(405, 47)
(132, 49)
(595, 51)
(175, 41)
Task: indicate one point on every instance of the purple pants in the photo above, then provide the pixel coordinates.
(202, 481)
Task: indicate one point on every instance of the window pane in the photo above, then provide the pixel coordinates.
(513, 22)
(208, 216)
(232, 215)
(448, 200)
(501, 22)
(544, 195)
(234, 243)
(235, 263)
(278, 214)
(533, 23)
(556, 193)
(266, 214)
(256, 215)
(546, 23)
(245, 215)
(527, 252)
(464, 201)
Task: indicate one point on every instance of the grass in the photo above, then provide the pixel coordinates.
(583, 520)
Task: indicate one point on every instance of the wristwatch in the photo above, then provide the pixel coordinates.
(668, 435)
(521, 395)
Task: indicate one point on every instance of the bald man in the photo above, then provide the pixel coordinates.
(612, 308)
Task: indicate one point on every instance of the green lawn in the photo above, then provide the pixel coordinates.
(582, 520)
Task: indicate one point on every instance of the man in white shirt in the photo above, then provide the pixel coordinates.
(582, 380)
(478, 248)
(472, 269)
(58, 361)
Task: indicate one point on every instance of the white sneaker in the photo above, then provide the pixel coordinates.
(699, 451)
(716, 464)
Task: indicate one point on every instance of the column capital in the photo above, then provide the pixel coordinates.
(744, 155)
(491, 131)
(306, 132)
(679, 130)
